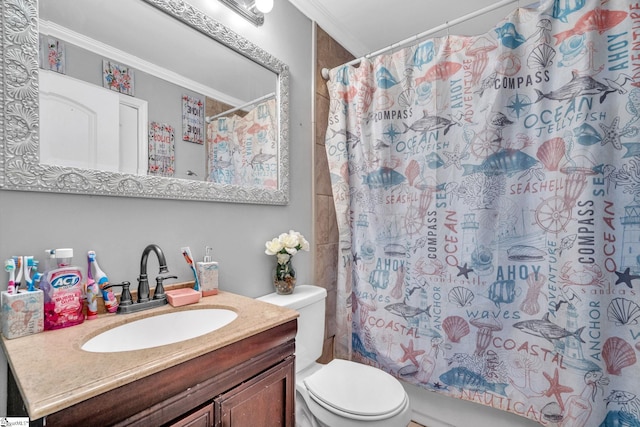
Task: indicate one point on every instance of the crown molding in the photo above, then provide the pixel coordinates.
(110, 52)
(326, 20)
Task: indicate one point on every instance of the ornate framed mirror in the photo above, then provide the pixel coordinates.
(20, 151)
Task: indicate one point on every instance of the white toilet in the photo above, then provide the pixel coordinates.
(341, 393)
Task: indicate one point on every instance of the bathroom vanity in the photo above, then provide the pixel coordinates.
(241, 374)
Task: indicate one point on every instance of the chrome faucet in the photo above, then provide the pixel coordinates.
(159, 297)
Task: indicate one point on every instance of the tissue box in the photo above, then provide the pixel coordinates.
(182, 296)
(22, 313)
(208, 277)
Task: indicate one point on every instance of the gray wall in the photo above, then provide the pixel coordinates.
(119, 228)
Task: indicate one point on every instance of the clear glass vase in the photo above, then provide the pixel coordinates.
(284, 278)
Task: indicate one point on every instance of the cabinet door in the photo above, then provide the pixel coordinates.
(266, 400)
(202, 417)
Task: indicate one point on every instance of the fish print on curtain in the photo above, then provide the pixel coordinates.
(242, 149)
(487, 190)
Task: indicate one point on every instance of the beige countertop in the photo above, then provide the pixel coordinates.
(53, 373)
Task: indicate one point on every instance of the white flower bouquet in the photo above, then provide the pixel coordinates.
(284, 247)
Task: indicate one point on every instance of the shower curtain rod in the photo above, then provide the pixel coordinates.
(240, 107)
(325, 71)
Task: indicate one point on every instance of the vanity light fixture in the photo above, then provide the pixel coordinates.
(264, 6)
(253, 10)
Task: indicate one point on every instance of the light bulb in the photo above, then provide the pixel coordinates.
(264, 6)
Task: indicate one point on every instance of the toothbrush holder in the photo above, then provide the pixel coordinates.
(22, 313)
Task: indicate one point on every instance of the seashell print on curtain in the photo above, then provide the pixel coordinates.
(487, 190)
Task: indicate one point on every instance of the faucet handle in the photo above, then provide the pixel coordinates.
(125, 296)
(159, 292)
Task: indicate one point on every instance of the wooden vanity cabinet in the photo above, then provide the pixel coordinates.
(247, 383)
(259, 402)
(266, 395)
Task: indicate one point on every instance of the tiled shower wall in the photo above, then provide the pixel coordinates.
(329, 54)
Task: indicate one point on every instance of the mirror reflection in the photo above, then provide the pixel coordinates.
(152, 96)
(241, 145)
(171, 42)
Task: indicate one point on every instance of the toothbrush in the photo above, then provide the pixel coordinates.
(110, 301)
(91, 291)
(19, 266)
(186, 253)
(29, 263)
(10, 267)
(37, 276)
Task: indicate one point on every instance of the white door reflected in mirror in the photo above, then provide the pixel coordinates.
(87, 126)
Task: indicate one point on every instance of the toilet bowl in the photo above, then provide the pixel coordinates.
(344, 393)
(341, 393)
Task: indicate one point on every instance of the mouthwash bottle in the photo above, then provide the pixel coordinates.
(63, 291)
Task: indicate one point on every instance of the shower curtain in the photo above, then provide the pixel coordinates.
(242, 149)
(487, 191)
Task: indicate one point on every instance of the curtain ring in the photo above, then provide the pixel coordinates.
(447, 24)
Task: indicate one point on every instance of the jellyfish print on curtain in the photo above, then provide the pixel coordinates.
(487, 190)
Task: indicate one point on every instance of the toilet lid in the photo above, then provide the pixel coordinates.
(356, 389)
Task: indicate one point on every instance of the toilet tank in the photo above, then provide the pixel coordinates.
(309, 302)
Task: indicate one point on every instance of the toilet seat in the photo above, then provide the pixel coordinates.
(356, 391)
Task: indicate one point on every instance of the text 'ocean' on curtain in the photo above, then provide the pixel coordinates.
(487, 190)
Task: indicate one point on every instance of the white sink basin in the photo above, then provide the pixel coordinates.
(160, 330)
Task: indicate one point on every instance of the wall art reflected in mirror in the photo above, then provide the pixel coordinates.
(173, 105)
